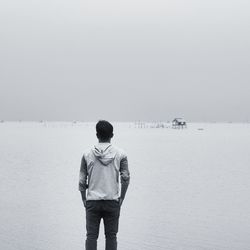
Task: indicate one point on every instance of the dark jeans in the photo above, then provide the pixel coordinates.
(109, 210)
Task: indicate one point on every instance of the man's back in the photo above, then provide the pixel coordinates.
(100, 188)
(104, 164)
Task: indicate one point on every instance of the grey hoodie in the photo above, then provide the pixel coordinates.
(101, 167)
(104, 153)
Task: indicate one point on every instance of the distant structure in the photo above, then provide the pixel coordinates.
(179, 123)
(140, 124)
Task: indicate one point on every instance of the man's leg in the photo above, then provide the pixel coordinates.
(111, 216)
(93, 218)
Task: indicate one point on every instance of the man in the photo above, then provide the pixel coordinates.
(99, 185)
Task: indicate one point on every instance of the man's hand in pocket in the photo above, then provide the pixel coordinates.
(84, 203)
(120, 201)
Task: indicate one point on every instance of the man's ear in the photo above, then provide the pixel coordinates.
(97, 135)
(112, 135)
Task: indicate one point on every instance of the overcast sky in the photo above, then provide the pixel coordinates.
(125, 60)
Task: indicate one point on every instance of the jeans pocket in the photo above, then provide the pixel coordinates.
(117, 203)
(89, 204)
(86, 204)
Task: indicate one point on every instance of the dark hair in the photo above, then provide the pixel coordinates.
(104, 130)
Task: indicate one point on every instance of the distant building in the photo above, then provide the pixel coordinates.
(179, 123)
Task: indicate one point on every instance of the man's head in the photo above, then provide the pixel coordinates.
(104, 130)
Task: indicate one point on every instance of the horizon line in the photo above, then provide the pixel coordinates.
(133, 121)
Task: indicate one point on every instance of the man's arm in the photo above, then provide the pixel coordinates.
(125, 177)
(83, 180)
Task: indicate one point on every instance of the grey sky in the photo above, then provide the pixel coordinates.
(125, 60)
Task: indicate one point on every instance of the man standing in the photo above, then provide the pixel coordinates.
(99, 185)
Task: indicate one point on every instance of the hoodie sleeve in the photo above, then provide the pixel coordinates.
(83, 175)
(124, 171)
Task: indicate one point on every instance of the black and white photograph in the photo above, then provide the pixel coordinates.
(124, 125)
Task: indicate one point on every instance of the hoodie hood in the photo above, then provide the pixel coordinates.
(104, 153)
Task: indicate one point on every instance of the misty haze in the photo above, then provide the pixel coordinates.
(173, 79)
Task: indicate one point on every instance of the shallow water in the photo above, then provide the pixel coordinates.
(189, 189)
